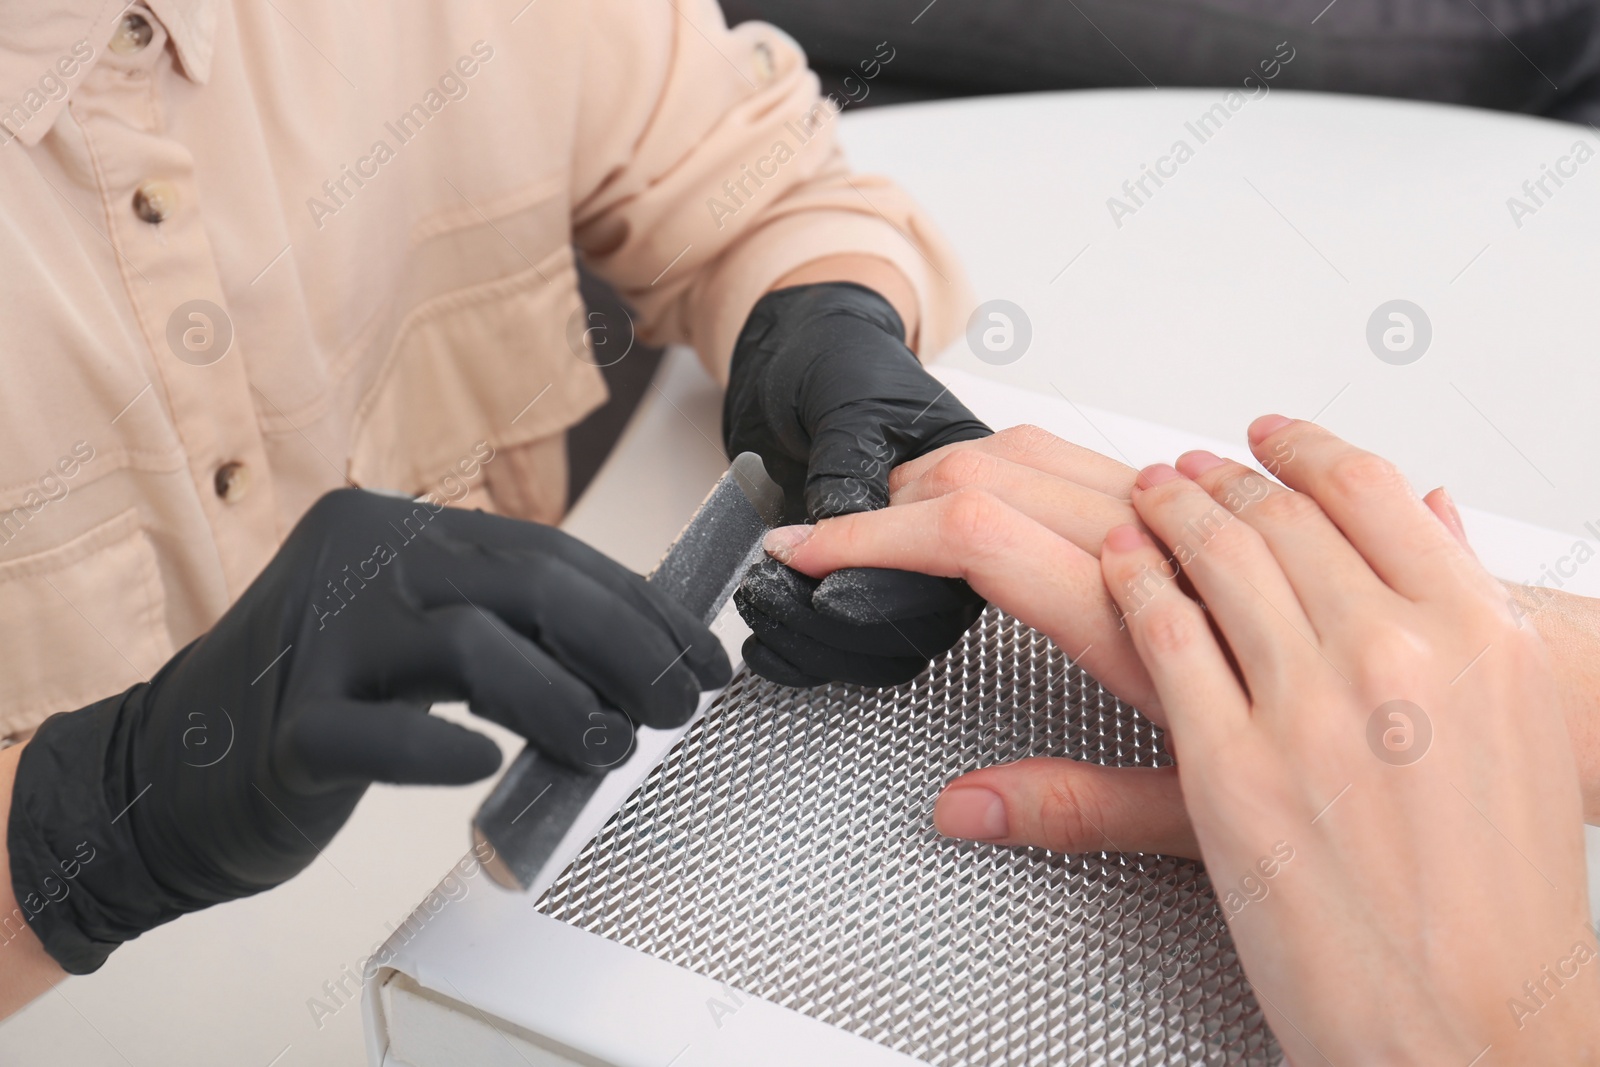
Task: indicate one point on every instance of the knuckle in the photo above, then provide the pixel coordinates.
(1027, 439)
(961, 468)
(1202, 519)
(1070, 816)
(1285, 508)
(1244, 488)
(1359, 474)
(1139, 584)
(1391, 656)
(1279, 456)
(1234, 549)
(1170, 629)
(969, 520)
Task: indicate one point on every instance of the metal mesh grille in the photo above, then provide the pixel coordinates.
(785, 847)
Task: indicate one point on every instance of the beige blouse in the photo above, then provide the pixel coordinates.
(253, 251)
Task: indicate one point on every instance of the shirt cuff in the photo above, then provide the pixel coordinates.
(750, 270)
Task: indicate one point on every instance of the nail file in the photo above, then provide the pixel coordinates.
(536, 802)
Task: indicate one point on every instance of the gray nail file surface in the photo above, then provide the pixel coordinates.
(536, 802)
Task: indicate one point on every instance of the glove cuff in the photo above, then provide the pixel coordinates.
(76, 869)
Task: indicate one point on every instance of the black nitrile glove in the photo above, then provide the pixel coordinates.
(823, 387)
(229, 771)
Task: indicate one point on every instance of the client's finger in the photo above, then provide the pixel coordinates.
(1333, 585)
(1369, 499)
(1234, 572)
(1200, 694)
(1068, 806)
(1440, 503)
(1008, 559)
(1074, 511)
(1036, 448)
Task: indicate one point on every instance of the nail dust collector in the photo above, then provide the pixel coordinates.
(784, 848)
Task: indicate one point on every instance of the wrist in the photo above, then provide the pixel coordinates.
(1570, 628)
(75, 864)
(870, 272)
(26, 970)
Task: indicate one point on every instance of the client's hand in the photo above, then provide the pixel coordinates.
(1456, 879)
(1002, 511)
(1021, 515)
(1375, 751)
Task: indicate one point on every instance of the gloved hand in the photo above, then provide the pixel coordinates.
(229, 771)
(823, 387)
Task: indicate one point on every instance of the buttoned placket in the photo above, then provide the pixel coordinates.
(147, 184)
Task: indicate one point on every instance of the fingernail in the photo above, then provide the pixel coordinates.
(1124, 538)
(1266, 426)
(1155, 475)
(782, 543)
(972, 814)
(1196, 463)
(1449, 503)
(1452, 517)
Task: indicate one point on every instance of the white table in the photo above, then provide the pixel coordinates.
(1244, 284)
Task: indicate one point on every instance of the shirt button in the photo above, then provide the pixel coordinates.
(155, 201)
(133, 34)
(232, 482)
(765, 66)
